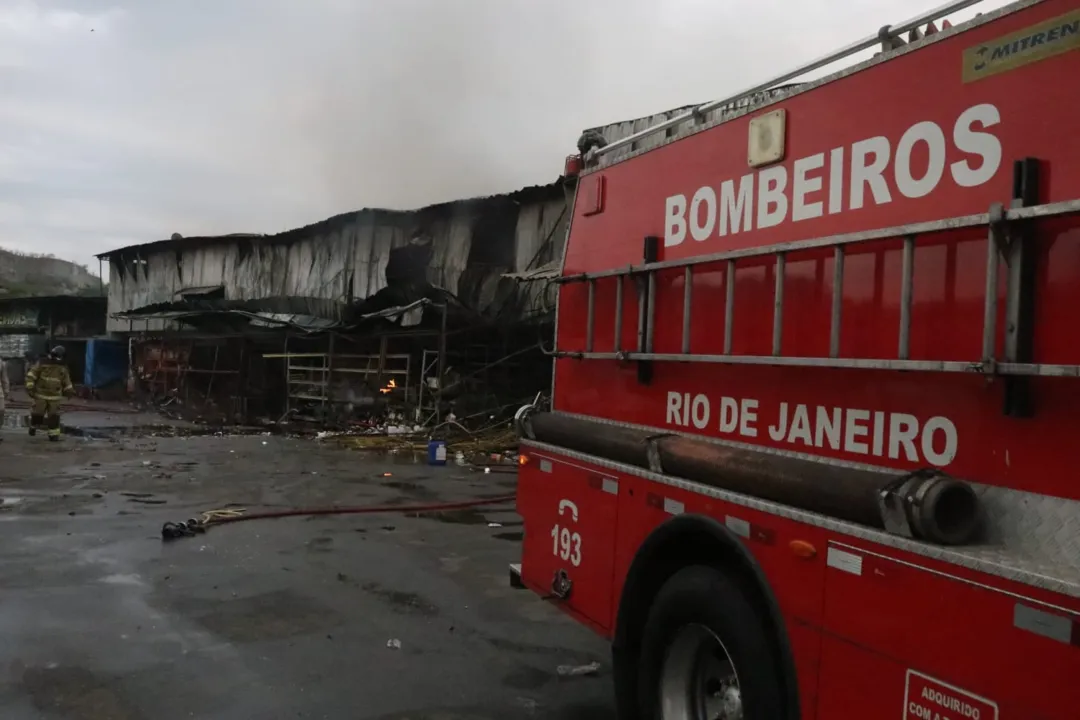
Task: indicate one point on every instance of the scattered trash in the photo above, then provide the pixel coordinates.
(387, 474)
(578, 670)
(487, 471)
(494, 525)
(393, 644)
(436, 452)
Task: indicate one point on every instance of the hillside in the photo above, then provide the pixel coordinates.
(22, 275)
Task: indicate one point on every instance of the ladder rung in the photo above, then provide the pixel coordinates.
(729, 306)
(591, 320)
(1013, 282)
(650, 319)
(642, 299)
(688, 288)
(994, 241)
(618, 313)
(778, 305)
(907, 279)
(837, 301)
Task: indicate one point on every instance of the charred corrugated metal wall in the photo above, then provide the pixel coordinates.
(464, 247)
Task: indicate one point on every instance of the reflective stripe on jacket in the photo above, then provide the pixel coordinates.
(49, 381)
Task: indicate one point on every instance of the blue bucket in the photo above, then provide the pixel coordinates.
(436, 452)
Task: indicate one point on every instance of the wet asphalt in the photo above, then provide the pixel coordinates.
(362, 616)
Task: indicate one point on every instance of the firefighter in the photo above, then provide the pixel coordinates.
(47, 383)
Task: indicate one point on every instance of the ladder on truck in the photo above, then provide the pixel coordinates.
(1005, 238)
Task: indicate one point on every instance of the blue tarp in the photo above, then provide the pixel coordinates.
(106, 362)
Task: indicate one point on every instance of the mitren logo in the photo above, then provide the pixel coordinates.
(845, 178)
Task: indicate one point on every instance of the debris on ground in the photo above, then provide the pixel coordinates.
(393, 644)
(578, 670)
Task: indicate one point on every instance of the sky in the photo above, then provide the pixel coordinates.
(124, 121)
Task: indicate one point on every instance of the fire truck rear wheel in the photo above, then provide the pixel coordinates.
(705, 653)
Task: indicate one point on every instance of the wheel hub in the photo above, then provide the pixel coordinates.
(698, 680)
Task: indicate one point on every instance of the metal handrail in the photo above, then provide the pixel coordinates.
(857, 46)
(1063, 207)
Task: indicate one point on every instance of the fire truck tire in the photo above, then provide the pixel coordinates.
(700, 609)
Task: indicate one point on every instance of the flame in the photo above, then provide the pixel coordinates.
(390, 386)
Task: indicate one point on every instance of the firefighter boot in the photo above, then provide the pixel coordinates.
(36, 421)
(54, 428)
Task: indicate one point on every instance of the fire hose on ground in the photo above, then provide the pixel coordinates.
(194, 526)
(925, 504)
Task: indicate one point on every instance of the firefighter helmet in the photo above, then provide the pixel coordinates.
(57, 353)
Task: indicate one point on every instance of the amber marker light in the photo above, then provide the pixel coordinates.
(802, 549)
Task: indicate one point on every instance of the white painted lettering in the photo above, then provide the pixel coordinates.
(983, 144)
(700, 412)
(902, 431)
(869, 174)
(826, 426)
(779, 431)
(736, 210)
(800, 426)
(748, 418)
(879, 433)
(851, 177)
(675, 224)
(836, 180)
(729, 415)
(854, 429)
(931, 134)
(674, 408)
(804, 185)
(701, 230)
(772, 202)
(948, 451)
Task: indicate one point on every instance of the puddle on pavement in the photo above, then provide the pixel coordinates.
(410, 488)
(406, 602)
(269, 616)
(77, 693)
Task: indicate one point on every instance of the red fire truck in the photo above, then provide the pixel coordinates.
(813, 439)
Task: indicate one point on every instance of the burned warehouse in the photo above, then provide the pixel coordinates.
(413, 314)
